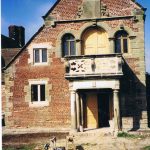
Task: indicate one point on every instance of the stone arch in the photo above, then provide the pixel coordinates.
(121, 42)
(131, 33)
(94, 39)
(125, 28)
(68, 45)
(104, 26)
(88, 25)
(59, 40)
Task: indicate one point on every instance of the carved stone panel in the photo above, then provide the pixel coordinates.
(80, 12)
(89, 9)
(92, 9)
(106, 65)
(80, 66)
(104, 11)
(95, 66)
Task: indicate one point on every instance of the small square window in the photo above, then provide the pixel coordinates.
(40, 55)
(37, 92)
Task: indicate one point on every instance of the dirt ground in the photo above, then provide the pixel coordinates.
(92, 140)
(109, 143)
(101, 143)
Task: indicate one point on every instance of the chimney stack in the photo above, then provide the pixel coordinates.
(18, 34)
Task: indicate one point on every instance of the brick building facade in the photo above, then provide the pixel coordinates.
(83, 69)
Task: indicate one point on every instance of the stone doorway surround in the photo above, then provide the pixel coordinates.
(77, 101)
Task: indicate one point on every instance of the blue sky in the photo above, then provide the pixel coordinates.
(28, 13)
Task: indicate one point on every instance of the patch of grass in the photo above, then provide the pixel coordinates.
(25, 147)
(127, 135)
(8, 148)
(147, 148)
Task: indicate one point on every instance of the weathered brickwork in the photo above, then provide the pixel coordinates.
(18, 111)
(119, 7)
(66, 9)
(50, 116)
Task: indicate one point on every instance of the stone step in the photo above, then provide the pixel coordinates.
(93, 133)
(145, 132)
(144, 115)
(144, 121)
(86, 134)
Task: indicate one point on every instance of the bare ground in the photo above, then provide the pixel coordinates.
(96, 140)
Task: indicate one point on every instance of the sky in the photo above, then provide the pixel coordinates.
(28, 13)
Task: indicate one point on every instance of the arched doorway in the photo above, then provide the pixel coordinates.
(95, 41)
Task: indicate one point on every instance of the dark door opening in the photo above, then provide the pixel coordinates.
(103, 110)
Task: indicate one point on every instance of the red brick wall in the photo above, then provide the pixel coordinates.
(58, 111)
(120, 7)
(66, 9)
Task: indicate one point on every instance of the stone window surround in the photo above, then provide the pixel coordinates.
(45, 45)
(48, 87)
(110, 31)
(121, 39)
(40, 56)
(64, 40)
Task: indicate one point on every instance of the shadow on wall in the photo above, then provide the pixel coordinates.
(148, 96)
(133, 100)
(79, 147)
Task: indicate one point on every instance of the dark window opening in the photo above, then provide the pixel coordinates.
(44, 55)
(34, 93)
(118, 46)
(37, 55)
(37, 92)
(68, 45)
(125, 45)
(42, 92)
(3, 120)
(40, 55)
(121, 42)
(103, 110)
